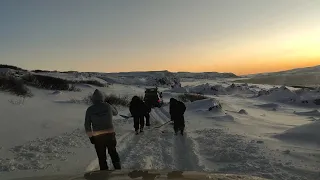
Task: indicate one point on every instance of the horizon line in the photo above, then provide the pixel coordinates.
(137, 71)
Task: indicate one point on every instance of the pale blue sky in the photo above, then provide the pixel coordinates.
(126, 35)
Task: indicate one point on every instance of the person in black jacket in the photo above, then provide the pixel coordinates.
(138, 110)
(177, 109)
(148, 110)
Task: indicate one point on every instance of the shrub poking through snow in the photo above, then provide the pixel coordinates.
(191, 97)
(111, 99)
(54, 83)
(11, 67)
(46, 82)
(117, 100)
(242, 111)
(92, 82)
(74, 88)
(14, 86)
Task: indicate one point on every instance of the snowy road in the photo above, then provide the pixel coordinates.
(155, 148)
(208, 145)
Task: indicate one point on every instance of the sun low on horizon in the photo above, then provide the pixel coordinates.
(242, 37)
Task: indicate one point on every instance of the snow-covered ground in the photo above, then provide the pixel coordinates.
(272, 134)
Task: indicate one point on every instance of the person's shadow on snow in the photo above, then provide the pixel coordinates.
(144, 174)
(175, 175)
(98, 175)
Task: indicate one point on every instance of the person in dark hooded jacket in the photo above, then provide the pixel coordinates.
(177, 109)
(138, 111)
(99, 127)
(148, 110)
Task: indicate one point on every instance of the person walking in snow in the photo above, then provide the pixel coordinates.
(177, 109)
(99, 127)
(147, 112)
(138, 111)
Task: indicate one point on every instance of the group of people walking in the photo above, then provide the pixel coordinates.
(100, 130)
(139, 110)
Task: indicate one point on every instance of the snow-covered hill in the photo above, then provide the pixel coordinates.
(309, 76)
(307, 70)
(205, 75)
(149, 78)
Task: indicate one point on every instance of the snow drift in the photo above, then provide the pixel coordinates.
(202, 105)
(285, 95)
(304, 133)
(309, 113)
(278, 94)
(178, 90)
(268, 105)
(149, 78)
(221, 90)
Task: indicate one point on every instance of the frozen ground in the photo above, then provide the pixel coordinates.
(268, 136)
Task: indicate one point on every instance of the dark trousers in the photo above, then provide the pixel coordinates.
(147, 116)
(102, 143)
(178, 124)
(138, 122)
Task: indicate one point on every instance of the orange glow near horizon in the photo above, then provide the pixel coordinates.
(245, 55)
(248, 67)
(260, 67)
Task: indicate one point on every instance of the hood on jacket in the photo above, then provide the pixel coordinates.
(173, 100)
(136, 99)
(97, 97)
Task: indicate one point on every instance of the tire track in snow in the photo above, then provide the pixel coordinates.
(184, 154)
(149, 152)
(182, 151)
(166, 140)
(124, 143)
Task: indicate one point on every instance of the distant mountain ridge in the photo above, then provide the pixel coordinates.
(305, 70)
(309, 76)
(205, 75)
(195, 75)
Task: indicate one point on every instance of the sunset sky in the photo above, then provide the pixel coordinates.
(239, 36)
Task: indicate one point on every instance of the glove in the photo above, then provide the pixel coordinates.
(91, 139)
